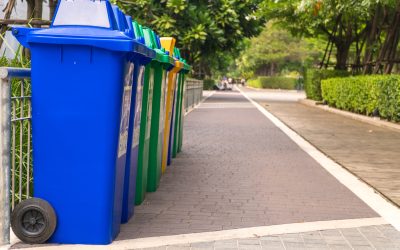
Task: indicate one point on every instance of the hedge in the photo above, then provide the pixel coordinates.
(312, 81)
(208, 84)
(275, 82)
(365, 95)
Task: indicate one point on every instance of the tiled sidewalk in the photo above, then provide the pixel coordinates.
(369, 151)
(374, 237)
(239, 170)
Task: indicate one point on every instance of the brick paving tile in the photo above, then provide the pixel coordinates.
(238, 170)
(368, 151)
(295, 241)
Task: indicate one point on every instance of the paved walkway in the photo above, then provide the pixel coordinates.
(369, 151)
(238, 170)
(373, 237)
(242, 183)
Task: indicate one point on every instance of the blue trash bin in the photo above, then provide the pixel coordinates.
(82, 79)
(134, 129)
(173, 119)
(172, 128)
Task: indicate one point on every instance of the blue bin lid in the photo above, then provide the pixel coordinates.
(130, 27)
(84, 22)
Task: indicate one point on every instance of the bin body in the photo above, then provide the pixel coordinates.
(172, 76)
(82, 76)
(137, 123)
(157, 127)
(144, 137)
(133, 144)
(173, 121)
(181, 123)
(176, 108)
(79, 120)
(149, 164)
(179, 116)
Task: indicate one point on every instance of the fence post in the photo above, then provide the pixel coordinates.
(201, 90)
(197, 94)
(5, 124)
(194, 95)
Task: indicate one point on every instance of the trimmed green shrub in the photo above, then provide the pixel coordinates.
(365, 94)
(208, 84)
(275, 82)
(313, 78)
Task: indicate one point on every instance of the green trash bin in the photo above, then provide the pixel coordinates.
(179, 109)
(151, 139)
(145, 119)
(177, 147)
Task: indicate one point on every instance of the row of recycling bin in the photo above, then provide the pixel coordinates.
(107, 117)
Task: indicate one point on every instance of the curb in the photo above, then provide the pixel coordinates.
(370, 120)
(204, 98)
(271, 90)
(376, 200)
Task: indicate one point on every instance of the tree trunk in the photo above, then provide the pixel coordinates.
(343, 43)
(342, 53)
(7, 14)
(329, 46)
(391, 56)
(30, 9)
(360, 42)
(38, 9)
(52, 7)
(389, 47)
(30, 13)
(372, 38)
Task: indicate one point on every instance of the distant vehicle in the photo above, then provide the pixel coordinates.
(228, 83)
(223, 85)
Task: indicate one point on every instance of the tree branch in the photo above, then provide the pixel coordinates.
(22, 22)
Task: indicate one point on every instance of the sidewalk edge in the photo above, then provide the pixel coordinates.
(370, 120)
(241, 233)
(361, 189)
(202, 100)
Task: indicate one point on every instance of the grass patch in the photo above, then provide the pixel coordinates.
(275, 82)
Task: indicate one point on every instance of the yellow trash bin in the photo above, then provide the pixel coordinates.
(168, 43)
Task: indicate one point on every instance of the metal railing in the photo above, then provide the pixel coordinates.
(15, 139)
(15, 145)
(193, 93)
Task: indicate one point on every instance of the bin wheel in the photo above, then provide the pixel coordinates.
(33, 221)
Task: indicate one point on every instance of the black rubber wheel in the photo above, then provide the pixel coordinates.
(33, 221)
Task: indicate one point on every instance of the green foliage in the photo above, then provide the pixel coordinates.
(365, 94)
(313, 78)
(343, 22)
(314, 17)
(389, 98)
(205, 30)
(208, 84)
(276, 50)
(275, 82)
(20, 108)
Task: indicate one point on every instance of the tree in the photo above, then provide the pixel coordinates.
(35, 9)
(348, 24)
(388, 49)
(341, 21)
(205, 30)
(7, 14)
(275, 50)
(52, 8)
